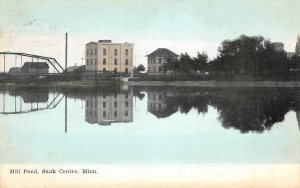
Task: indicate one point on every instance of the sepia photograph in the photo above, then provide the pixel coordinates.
(149, 93)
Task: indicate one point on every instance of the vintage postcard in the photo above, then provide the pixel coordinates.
(138, 93)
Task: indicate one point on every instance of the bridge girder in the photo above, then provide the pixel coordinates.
(52, 61)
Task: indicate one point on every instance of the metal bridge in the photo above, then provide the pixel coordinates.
(52, 61)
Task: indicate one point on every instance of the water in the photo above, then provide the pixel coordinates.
(148, 126)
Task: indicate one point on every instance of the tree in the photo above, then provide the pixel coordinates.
(200, 62)
(140, 68)
(185, 63)
(249, 55)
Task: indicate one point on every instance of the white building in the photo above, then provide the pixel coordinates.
(105, 56)
(111, 108)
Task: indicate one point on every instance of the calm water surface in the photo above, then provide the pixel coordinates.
(150, 126)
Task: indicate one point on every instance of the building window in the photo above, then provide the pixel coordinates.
(104, 51)
(104, 104)
(126, 104)
(126, 51)
(159, 69)
(96, 61)
(126, 96)
(87, 103)
(87, 52)
(87, 61)
(91, 61)
(115, 61)
(115, 70)
(115, 95)
(91, 51)
(104, 61)
(126, 113)
(104, 70)
(115, 104)
(115, 113)
(96, 103)
(95, 51)
(159, 97)
(116, 52)
(104, 113)
(126, 61)
(159, 60)
(126, 70)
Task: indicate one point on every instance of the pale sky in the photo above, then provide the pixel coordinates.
(39, 26)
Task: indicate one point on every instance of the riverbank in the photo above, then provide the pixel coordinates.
(159, 83)
(218, 83)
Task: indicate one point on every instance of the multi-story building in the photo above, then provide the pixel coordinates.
(106, 109)
(105, 56)
(158, 58)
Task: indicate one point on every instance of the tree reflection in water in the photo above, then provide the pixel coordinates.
(246, 109)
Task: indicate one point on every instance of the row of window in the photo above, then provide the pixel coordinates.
(104, 61)
(115, 113)
(104, 113)
(154, 107)
(115, 104)
(91, 62)
(154, 98)
(104, 70)
(90, 51)
(160, 60)
(116, 95)
(103, 104)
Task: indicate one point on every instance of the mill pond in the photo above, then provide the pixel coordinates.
(150, 125)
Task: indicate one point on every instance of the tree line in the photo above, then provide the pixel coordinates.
(246, 55)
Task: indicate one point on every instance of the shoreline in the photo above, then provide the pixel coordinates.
(218, 83)
(161, 83)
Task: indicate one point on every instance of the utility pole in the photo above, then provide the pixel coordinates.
(4, 62)
(66, 53)
(66, 112)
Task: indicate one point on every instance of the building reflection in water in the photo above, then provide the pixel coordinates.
(158, 104)
(105, 109)
(244, 109)
(40, 96)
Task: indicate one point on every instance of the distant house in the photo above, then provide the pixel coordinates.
(76, 68)
(15, 70)
(35, 68)
(158, 104)
(158, 58)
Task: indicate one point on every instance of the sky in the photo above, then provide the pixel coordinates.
(39, 26)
